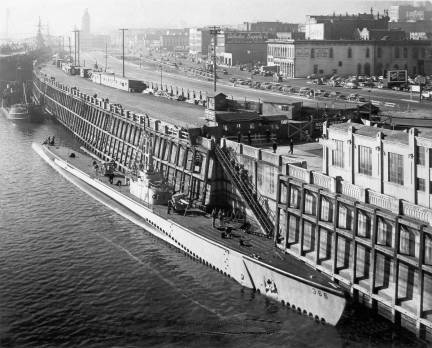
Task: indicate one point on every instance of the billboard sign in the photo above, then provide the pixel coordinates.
(397, 76)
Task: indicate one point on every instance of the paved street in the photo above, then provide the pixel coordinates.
(152, 73)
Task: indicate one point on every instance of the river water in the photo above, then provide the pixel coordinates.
(75, 271)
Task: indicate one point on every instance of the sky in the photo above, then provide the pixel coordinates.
(62, 15)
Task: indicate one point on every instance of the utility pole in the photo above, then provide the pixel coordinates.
(106, 55)
(76, 46)
(123, 30)
(214, 31)
(70, 48)
(161, 75)
(78, 50)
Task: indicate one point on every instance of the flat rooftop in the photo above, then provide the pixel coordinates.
(388, 134)
(171, 111)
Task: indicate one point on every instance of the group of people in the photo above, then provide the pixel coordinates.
(224, 215)
(49, 141)
(268, 140)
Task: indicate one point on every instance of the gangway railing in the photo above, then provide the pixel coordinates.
(246, 189)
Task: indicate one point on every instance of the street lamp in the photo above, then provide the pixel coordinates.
(370, 104)
(160, 66)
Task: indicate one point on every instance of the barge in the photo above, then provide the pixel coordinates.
(251, 260)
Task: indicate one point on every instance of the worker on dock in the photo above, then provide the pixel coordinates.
(214, 215)
(221, 218)
(274, 146)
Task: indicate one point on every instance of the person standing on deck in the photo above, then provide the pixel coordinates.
(221, 218)
(291, 145)
(214, 216)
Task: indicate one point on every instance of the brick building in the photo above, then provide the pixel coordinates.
(241, 47)
(300, 58)
(342, 27)
(199, 41)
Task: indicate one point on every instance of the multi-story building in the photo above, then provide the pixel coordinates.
(241, 47)
(300, 58)
(85, 23)
(342, 27)
(418, 28)
(199, 41)
(410, 13)
(271, 27)
(395, 163)
(175, 40)
(365, 220)
(88, 40)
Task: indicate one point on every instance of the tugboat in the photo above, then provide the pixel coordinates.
(11, 106)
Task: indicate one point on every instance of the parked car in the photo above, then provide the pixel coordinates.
(180, 98)
(304, 90)
(351, 84)
(352, 97)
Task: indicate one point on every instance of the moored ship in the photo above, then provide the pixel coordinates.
(250, 260)
(14, 105)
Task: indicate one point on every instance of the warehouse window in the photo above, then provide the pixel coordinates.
(421, 184)
(396, 52)
(379, 52)
(365, 160)
(310, 203)
(294, 198)
(428, 250)
(331, 52)
(312, 53)
(345, 217)
(367, 52)
(395, 168)
(408, 244)
(337, 154)
(384, 232)
(363, 224)
(326, 209)
(421, 155)
(349, 52)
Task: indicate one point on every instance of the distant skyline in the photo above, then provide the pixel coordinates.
(62, 15)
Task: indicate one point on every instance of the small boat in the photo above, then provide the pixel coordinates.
(14, 105)
(16, 111)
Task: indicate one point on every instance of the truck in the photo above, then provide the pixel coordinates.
(269, 70)
(395, 79)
